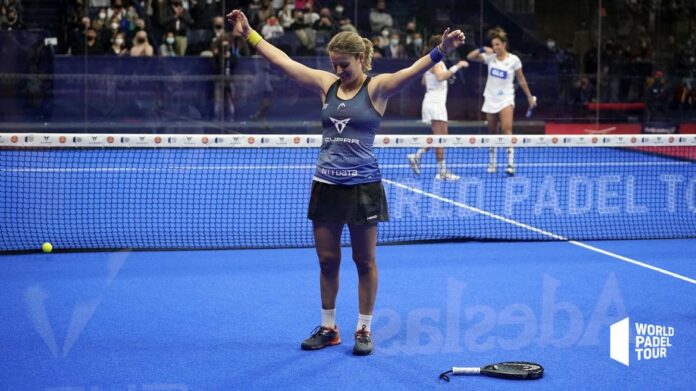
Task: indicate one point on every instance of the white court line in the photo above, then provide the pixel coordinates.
(539, 231)
(312, 166)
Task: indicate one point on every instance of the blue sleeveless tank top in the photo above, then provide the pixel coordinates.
(349, 126)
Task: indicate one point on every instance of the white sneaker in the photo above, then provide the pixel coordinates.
(510, 170)
(447, 176)
(415, 162)
(491, 168)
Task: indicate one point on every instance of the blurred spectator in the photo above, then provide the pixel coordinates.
(310, 16)
(101, 15)
(106, 35)
(218, 26)
(414, 49)
(78, 35)
(91, 46)
(304, 33)
(141, 47)
(116, 10)
(286, 15)
(226, 49)
(203, 12)
(378, 51)
(384, 37)
(118, 45)
(656, 96)
(139, 25)
(272, 29)
(251, 10)
(7, 5)
(339, 11)
(301, 4)
(583, 91)
(379, 18)
(344, 24)
(395, 49)
(11, 20)
(177, 20)
(265, 11)
(167, 47)
(325, 22)
(264, 87)
(410, 32)
(590, 61)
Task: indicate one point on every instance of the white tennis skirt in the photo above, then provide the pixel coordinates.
(495, 106)
(433, 111)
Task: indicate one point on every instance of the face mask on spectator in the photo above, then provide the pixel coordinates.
(170, 40)
(102, 15)
(114, 26)
(218, 27)
(551, 44)
(140, 40)
(394, 42)
(339, 9)
(385, 33)
(418, 42)
(91, 38)
(118, 41)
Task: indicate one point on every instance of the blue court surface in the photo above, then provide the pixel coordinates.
(225, 320)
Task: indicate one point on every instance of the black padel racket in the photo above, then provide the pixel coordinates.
(516, 370)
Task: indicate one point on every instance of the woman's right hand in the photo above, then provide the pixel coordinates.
(240, 22)
(463, 64)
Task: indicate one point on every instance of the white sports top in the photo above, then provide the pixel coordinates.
(435, 90)
(501, 74)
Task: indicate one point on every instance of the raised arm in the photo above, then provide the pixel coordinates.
(477, 54)
(312, 79)
(387, 85)
(444, 74)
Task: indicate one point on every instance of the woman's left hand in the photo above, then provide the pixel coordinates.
(451, 40)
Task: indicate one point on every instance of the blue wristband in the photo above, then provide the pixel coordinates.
(436, 55)
(482, 50)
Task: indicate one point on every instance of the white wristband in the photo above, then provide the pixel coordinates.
(454, 68)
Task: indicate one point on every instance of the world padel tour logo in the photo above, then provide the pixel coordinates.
(650, 341)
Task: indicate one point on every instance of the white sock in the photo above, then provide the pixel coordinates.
(364, 320)
(328, 318)
(511, 156)
(441, 165)
(420, 152)
(492, 156)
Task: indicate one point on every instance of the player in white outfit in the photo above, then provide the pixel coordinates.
(434, 112)
(499, 94)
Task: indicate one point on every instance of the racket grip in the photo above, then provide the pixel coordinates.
(531, 109)
(466, 370)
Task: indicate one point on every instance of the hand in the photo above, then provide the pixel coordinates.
(532, 102)
(240, 22)
(451, 40)
(463, 64)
